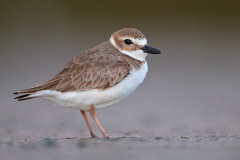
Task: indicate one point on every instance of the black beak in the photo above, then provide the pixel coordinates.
(148, 49)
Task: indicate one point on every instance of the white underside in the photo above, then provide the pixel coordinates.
(99, 98)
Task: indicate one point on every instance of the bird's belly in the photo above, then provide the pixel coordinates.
(99, 98)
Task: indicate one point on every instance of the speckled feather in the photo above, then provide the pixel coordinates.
(98, 68)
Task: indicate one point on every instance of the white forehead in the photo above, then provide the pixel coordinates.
(140, 42)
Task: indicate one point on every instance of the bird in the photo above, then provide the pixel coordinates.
(98, 77)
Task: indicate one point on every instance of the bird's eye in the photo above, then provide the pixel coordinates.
(127, 41)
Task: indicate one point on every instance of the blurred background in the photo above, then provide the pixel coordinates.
(192, 88)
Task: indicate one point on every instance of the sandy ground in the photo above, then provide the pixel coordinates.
(128, 147)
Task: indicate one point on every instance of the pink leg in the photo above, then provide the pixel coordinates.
(93, 115)
(88, 124)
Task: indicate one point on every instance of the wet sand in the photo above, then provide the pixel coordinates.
(127, 147)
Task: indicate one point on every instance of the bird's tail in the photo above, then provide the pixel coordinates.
(31, 92)
(23, 97)
(26, 93)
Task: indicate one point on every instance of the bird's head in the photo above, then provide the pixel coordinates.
(132, 42)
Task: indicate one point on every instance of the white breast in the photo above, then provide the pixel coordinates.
(99, 98)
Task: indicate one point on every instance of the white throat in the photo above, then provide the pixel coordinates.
(138, 54)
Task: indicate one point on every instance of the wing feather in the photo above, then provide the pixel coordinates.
(97, 68)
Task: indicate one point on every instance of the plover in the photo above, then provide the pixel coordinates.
(98, 77)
